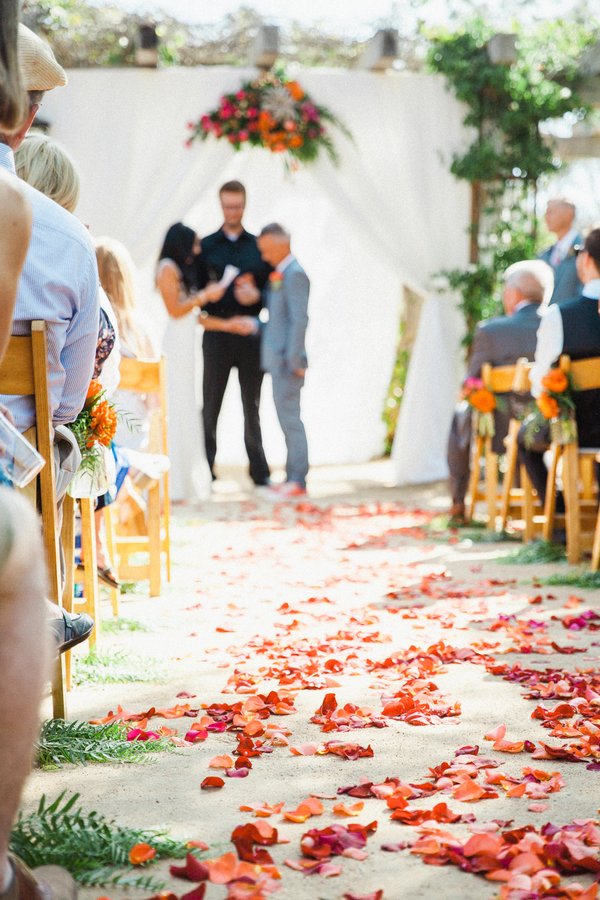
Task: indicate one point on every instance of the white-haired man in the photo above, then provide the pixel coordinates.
(500, 342)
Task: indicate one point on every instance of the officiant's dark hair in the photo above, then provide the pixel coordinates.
(177, 245)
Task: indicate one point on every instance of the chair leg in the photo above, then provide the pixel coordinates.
(550, 504)
(154, 538)
(511, 468)
(596, 547)
(90, 578)
(109, 529)
(572, 506)
(491, 488)
(167, 524)
(529, 531)
(67, 537)
(59, 685)
(476, 454)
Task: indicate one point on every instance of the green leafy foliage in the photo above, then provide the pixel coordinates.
(535, 552)
(78, 743)
(506, 105)
(579, 578)
(90, 846)
(120, 624)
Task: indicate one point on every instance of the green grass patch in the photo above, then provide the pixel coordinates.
(443, 527)
(119, 624)
(79, 743)
(92, 847)
(579, 578)
(535, 552)
(116, 667)
(133, 587)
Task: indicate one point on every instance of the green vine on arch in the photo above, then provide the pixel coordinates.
(507, 103)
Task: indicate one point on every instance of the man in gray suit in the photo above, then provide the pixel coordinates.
(560, 219)
(499, 342)
(283, 352)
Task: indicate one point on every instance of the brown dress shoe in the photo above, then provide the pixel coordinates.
(43, 883)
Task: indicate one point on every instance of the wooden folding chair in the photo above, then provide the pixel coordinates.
(499, 380)
(579, 488)
(146, 377)
(517, 503)
(23, 371)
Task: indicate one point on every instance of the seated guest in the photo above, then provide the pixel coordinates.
(572, 328)
(500, 342)
(23, 632)
(560, 220)
(59, 284)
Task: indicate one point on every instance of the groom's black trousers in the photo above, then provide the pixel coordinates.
(222, 353)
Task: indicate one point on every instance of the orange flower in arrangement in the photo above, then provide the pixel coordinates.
(482, 400)
(295, 90)
(103, 424)
(555, 381)
(140, 854)
(94, 390)
(548, 406)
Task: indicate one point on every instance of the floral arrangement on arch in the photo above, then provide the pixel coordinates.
(272, 112)
(483, 402)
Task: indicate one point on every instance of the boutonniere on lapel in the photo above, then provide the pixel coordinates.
(276, 280)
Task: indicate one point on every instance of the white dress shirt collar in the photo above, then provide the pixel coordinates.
(282, 266)
(567, 240)
(591, 289)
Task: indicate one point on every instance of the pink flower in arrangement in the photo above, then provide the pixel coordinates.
(253, 112)
(217, 129)
(241, 95)
(244, 135)
(310, 112)
(232, 138)
(206, 123)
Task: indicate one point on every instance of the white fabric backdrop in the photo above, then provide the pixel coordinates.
(391, 214)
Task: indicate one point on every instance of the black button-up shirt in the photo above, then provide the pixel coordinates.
(219, 251)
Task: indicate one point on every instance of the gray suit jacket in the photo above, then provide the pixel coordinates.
(282, 343)
(501, 342)
(566, 281)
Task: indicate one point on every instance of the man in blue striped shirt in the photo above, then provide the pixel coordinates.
(59, 284)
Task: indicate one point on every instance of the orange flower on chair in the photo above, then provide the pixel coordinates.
(548, 406)
(555, 381)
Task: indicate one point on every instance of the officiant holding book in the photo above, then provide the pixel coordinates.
(227, 342)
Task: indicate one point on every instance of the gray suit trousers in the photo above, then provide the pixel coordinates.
(286, 394)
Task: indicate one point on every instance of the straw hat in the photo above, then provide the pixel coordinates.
(40, 70)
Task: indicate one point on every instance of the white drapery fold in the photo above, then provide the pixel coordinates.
(389, 215)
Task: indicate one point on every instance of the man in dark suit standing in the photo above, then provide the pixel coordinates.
(560, 219)
(499, 342)
(572, 328)
(224, 346)
(283, 351)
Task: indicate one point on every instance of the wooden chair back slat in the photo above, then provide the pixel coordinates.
(522, 380)
(140, 375)
(498, 379)
(585, 373)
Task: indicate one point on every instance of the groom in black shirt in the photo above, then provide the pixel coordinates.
(225, 345)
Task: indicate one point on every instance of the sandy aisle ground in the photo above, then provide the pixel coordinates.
(237, 560)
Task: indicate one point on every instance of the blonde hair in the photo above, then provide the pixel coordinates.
(116, 271)
(45, 164)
